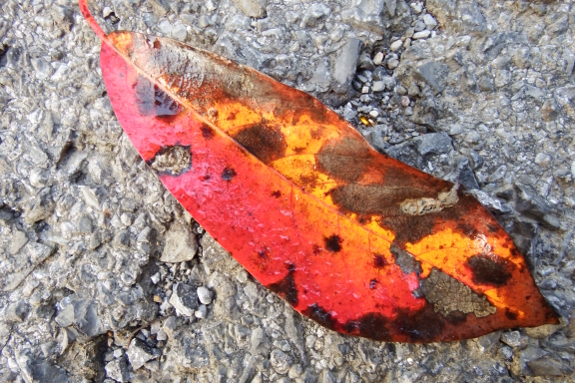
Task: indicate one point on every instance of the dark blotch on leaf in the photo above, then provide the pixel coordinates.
(489, 270)
(333, 243)
(423, 325)
(277, 194)
(266, 142)
(207, 132)
(346, 159)
(373, 284)
(511, 315)
(374, 326)
(228, 174)
(379, 261)
(286, 288)
(318, 314)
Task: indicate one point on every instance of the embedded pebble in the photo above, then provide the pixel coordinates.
(378, 58)
(205, 295)
(421, 35)
(396, 45)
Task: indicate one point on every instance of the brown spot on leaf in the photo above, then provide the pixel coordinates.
(266, 142)
(207, 132)
(318, 314)
(228, 174)
(379, 261)
(489, 270)
(333, 243)
(423, 325)
(346, 159)
(510, 314)
(316, 249)
(374, 326)
(157, 44)
(286, 288)
(277, 194)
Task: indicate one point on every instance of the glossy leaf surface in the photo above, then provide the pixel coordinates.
(357, 241)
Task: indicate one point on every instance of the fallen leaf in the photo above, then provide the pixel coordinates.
(357, 241)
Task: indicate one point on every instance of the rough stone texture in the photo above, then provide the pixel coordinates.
(474, 91)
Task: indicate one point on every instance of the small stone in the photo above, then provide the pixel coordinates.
(18, 240)
(365, 90)
(419, 26)
(512, 338)
(487, 341)
(156, 278)
(401, 90)
(455, 129)
(542, 159)
(184, 299)
(118, 370)
(413, 90)
(392, 63)
(107, 11)
(396, 45)
(251, 8)
(161, 335)
(378, 86)
(434, 74)
(201, 312)
(378, 58)
(82, 313)
(280, 361)
(374, 113)
(405, 101)
(180, 32)
(506, 351)
(430, 22)
(421, 35)
(118, 352)
(242, 276)
(417, 7)
(42, 68)
(166, 27)
(388, 81)
(345, 66)
(205, 295)
(139, 353)
(181, 244)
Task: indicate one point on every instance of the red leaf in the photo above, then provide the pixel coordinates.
(357, 241)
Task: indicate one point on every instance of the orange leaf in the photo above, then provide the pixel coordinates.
(359, 242)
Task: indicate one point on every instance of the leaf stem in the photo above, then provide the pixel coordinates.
(96, 27)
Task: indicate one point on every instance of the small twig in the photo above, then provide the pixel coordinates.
(133, 333)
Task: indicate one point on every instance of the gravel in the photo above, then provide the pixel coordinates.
(95, 253)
